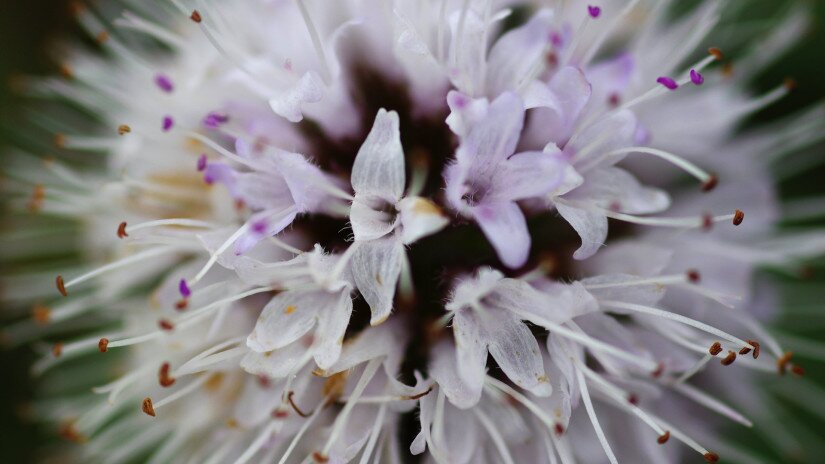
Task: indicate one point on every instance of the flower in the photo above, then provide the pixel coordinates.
(346, 231)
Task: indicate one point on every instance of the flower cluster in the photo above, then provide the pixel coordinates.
(362, 230)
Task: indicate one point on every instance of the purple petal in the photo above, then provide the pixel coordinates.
(504, 226)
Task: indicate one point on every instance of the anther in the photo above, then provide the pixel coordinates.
(729, 359)
(166, 324)
(61, 286)
(102, 37)
(167, 124)
(123, 129)
(738, 217)
(668, 83)
(69, 432)
(783, 361)
(196, 16)
(711, 457)
(696, 77)
(418, 395)
(715, 349)
(756, 348)
(559, 429)
(790, 84)
(103, 345)
(660, 369)
(693, 276)
(147, 407)
(182, 304)
(727, 70)
(594, 11)
(716, 53)
(710, 184)
(279, 414)
(745, 350)
(57, 349)
(41, 314)
(164, 83)
(59, 140)
(663, 438)
(164, 378)
(707, 221)
(66, 71)
(797, 370)
(320, 458)
(183, 288)
(121, 230)
(202, 162)
(633, 399)
(295, 406)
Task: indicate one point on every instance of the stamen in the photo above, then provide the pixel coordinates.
(663, 438)
(146, 254)
(798, 370)
(783, 361)
(498, 440)
(61, 287)
(716, 53)
(103, 345)
(756, 348)
(709, 181)
(711, 403)
(729, 359)
(316, 41)
(147, 407)
(343, 416)
(588, 405)
(164, 378)
(295, 406)
(121, 230)
(57, 349)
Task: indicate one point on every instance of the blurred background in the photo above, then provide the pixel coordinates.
(30, 28)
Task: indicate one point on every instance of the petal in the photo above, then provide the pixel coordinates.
(286, 318)
(445, 371)
(527, 175)
(559, 106)
(516, 351)
(637, 258)
(261, 225)
(493, 139)
(308, 89)
(471, 349)
(465, 111)
(367, 220)
(274, 364)
(504, 226)
(591, 227)
(614, 188)
(611, 133)
(548, 300)
(515, 53)
(376, 266)
(647, 295)
(419, 217)
(332, 324)
(379, 165)
(303, 179)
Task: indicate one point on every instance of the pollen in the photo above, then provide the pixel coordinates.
(798, 370)
(290, 309)
(693, 276)
(558, 428)
(147, 407)
(182, 304)
(102, 37)
(68, 431)
(660, 369)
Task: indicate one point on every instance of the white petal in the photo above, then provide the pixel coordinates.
(614, 188)
(516, 52)
(591, 227)
(550, 301)
(516, 351)
(471, 348)
(379, 166)
(286, 318)
(419, 217)
(465, 111)
(369, 223)
(445, 371)
(308, 89)
(332, 324)
(648, 294)
(274, 364)
(504, 226)
(376, 266)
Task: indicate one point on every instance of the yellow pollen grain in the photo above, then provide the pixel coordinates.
(290, 309)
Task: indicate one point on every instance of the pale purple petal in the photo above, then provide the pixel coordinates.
(591, 227)
(376, 266)
(308, 89)
(504, 226)
(379, 165)
(332, 324)
(287, 317)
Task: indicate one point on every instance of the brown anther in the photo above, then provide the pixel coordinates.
(121, 230)
(264, 382)
(59, 140)
(552, 59)
(633, 399)
(61, 286)
(660, 369)
(663, 438)
(614, 99)
(710, 184)
(65, 71)
(182, 304)
(729, 359)
(38, 196)
(123, 129)
(232, 423)
(559, 429)
(419, 395)
(707, 221)
(41, 314)
(295, 406)
(738, 217)
(693, 276)
(102, 36)
(279, 414)
(320, 458)
(68, 431)
(745, 350)
(790, 83)
(715, 349)
(164, 379)
(147, 407)
(166, 324)
(196, 16)
(711, 457)
(798, 370)
(57, 349)
(756, 348)
(727, 70)
(103, 345)
(783, 361)
(716, 52)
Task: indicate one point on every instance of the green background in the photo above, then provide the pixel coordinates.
(29, 28)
